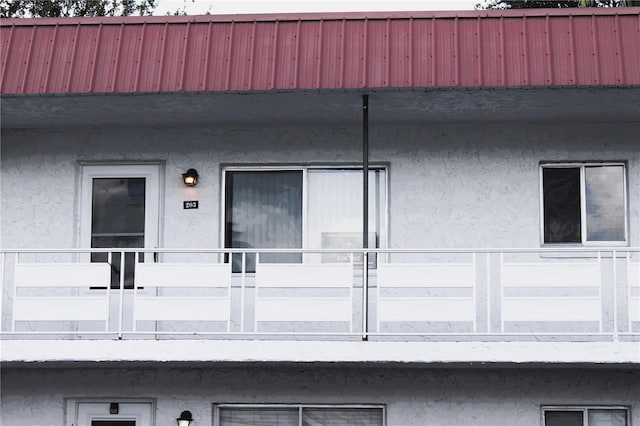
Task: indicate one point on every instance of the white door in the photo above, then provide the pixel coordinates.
(120, 209)
(113, 414)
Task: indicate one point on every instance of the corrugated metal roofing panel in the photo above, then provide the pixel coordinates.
(629, 37)
(421, 54)
(584, 58)
(606, 47)
(321, 51)
(399, 52)
(514, 52)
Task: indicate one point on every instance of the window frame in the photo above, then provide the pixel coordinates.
(299, 406)
(384, 231)
(582, 165)
(585, 410)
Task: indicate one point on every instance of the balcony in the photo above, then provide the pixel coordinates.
(491, 295)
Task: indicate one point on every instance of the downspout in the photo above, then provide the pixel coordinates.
(365, 216)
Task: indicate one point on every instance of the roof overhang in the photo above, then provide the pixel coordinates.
(583, 104)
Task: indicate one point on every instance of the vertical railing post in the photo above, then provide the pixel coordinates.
(121, 303)
(243, 262)
(475, 293)
(16, 259)
(501, 292)
(488, 278)
(2, 261)
(614, 286)
(255, 291)
(136, 260)
(365, 295)
(629, 324)
(109, 262)
(600, 297)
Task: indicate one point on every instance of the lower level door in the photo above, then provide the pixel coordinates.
(113, 414)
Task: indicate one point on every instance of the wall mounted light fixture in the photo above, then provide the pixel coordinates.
(190, 178)
(185, 418)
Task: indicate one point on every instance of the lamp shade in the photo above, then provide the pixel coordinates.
(190, 177)
(185, 418)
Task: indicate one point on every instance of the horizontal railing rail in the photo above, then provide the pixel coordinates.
(581, 293)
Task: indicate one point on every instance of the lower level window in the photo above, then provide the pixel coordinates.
(295, 415)
(585, 416)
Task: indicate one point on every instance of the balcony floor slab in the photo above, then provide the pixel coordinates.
(56, 352)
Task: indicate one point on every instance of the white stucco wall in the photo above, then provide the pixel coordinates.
(461, 184)
(412, 396)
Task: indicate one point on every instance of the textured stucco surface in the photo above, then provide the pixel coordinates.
(413, 396)
(451, 185)
(465, 184)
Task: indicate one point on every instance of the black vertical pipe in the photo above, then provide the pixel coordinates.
(365, 216)
(365, 171)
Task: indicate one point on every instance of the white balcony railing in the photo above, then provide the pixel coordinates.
(491, 294)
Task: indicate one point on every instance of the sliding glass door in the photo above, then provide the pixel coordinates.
(309, 207)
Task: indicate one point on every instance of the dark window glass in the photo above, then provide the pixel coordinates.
(561, 192)
(263, 210)
(113, 423)
(117, 220)
(563, 418)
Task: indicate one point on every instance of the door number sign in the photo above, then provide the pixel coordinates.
(190, 205)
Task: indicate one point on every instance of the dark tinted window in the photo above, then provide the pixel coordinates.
(563, 418)
(561, 192)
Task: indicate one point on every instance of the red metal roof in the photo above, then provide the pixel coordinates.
(567, 47)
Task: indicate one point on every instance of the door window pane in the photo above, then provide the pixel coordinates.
(239, 416)
(561, 192)
(563, 418)
(263, 210)
(604, 186)
(117, 221)
(341, 417)
(118, 206)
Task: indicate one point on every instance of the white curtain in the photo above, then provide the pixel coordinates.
(341, 417)
(334, 209)
(607, 418)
